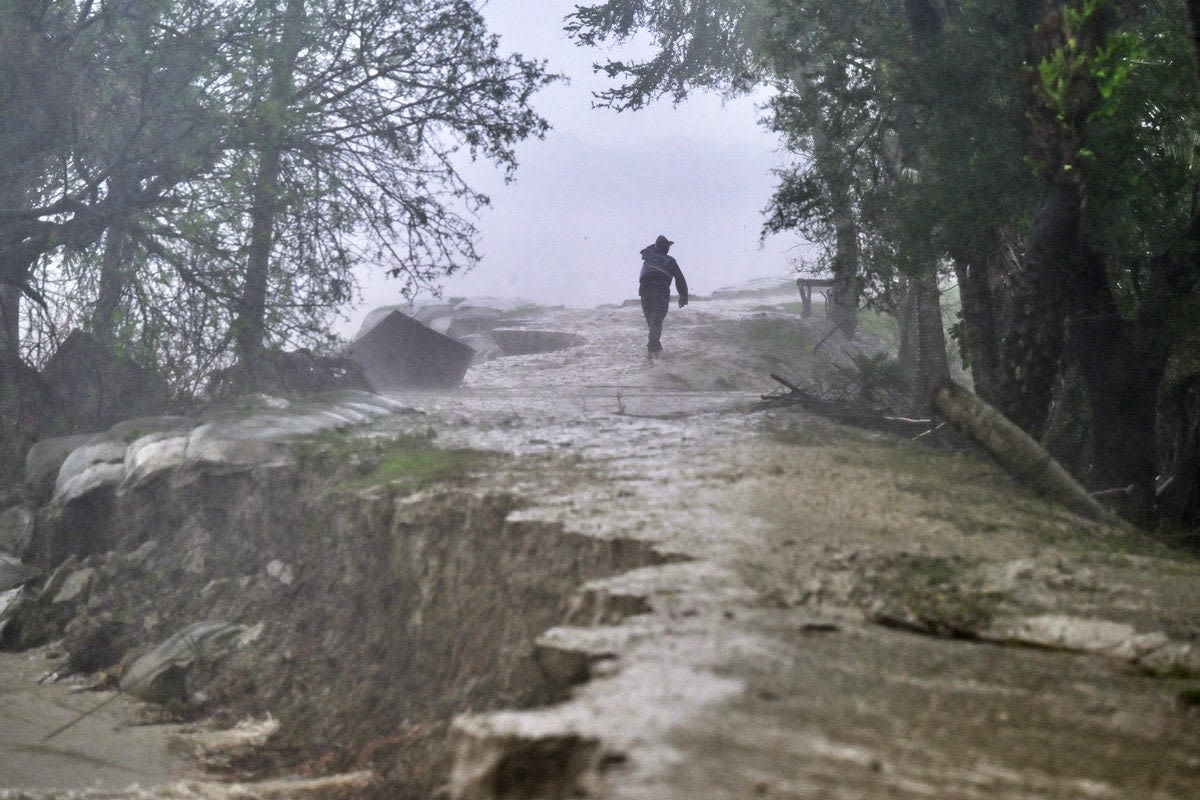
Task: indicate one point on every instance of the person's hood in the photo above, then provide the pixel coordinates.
(661, 246)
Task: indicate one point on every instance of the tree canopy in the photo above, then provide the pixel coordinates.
(197, 181)
(1042, 151)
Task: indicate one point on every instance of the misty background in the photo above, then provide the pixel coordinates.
(603, 184)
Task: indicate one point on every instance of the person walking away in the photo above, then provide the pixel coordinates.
(654, 287)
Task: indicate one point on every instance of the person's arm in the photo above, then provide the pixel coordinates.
(681, 285)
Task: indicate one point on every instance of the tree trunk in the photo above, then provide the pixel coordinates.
(252, 308)
(114, 266)
(922, 351)
(250, 325)
(985, 316)
(1013, 448)
(933, 366)
(1122, 362)
(1193, 19)
(844, 296)
(10, 326)
(12, 275)
(929, 364)
(906, 319)
(1031, 351)
(1180, 499)
(113, 279)
(847, 286)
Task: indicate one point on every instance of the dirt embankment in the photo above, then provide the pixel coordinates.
(392, 591)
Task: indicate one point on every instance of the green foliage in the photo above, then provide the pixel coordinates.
(936, 594)
(796, 308)
(1104, 68)
(699, 44)
(402, 463)
(876, 376)
(1188, 698)
(771, 331)
(914, 126)
(180, 136)
(1080, 79)
(410, 468)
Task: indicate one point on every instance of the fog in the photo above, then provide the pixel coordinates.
(603, 184)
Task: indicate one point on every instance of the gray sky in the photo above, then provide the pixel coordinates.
(602, 185)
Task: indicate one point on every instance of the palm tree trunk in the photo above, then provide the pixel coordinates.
(1031, 351)
(986, 316)
(1015, 450)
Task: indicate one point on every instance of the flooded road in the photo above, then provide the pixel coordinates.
(102, 752)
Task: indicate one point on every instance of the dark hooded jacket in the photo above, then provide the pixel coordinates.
(658, 270)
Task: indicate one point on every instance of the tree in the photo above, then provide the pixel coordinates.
(733, 47)
(841, 101)
(352, 114)
(268, 117)
(96, 130)
(1110, 273)
(193, 181)
(240, 160)
(1087, 261)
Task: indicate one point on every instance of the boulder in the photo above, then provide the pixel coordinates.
(151, 455)
(94, 387)
(160, 675)
(430, 314)
(373, 317)
(250, 437)
(16, 528)
(505, 305)
(399, 352)
(76, 587)
(45, 459)
(370, 404)
(8, 599)
(472, 320)
(484, 346)
(237, 444)
(53, 463)
(95, 478)
(14, 574)
(97, 452)
(506, 751)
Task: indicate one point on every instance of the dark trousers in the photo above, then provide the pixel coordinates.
(654, 306)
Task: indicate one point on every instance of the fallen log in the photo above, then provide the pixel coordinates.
(1014, 449)
(793, 387)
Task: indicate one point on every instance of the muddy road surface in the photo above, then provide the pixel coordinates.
(862, 616)
(736, 601)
